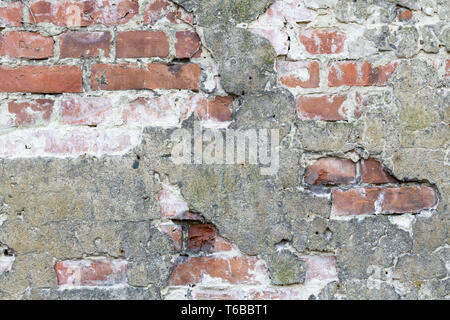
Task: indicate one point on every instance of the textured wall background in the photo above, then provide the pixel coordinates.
(91, 205)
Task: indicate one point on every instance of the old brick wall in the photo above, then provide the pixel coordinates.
(92, 206)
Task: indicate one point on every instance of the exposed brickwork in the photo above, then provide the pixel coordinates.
(331, 171)
(31, 112)
(25, 45)
(298, 74)
(327, 107)
(95, 93)
(142, 44)
(41, 79)
(317, 41)
(373, 172)
(11, 14)
(85, 44)
(359, 74)
(75, 13)
(91, 272)
(152, 76)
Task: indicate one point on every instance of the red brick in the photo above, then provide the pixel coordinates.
(279, 293)
(277, 37)
(292, 11)
(85, 44)
(205, 294)
(303, 74)
(158, 111)
(322, 41)
(91, 272)
(6, 264)
(11, 14)
(372, 172)
(352, 73)
(41, 79)
(217, 110)
(175, 232)
(447, 68)
(331, 171)
(154, 76)
(86, 110)
(325, 107)
(160, 10)
(187, 44)
(206, 238)
(142, 44)
(71, 141)
(77, 141)
(175, 208)
(404, 14)
(23, 44)
(320, 268)
(76, 13)
(31, 112)
(409, 199)
(235, 270)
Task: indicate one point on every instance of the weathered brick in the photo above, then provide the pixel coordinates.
(102, 272)
(142, 44)
(76, 13)
(322, 41)
(277, 37)
(206, 238)
(324, 107)
(408, 199)
(86, 110)
(31, 112)
(352, 73)
(217, 110)
(158, 111)
(447, 68)
(236, 293)
(85, 44)
(187, 43)
(41, 79)
(163, 10)
(303, 74)
(175, 232)
(331, 171)
(6, 264)
(11, 14)
(372, 172)
(404, 14)
(154, 76)
(23, 44)
(320, 268)
(234, 270)
(230, 294)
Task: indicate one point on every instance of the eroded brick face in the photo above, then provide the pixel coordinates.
(331, 171)
(142, 44)
(11, 14)
(85, 44)
(25, 45)
(41, 79)
(94, 95)
(322, 41)
(91, 272)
